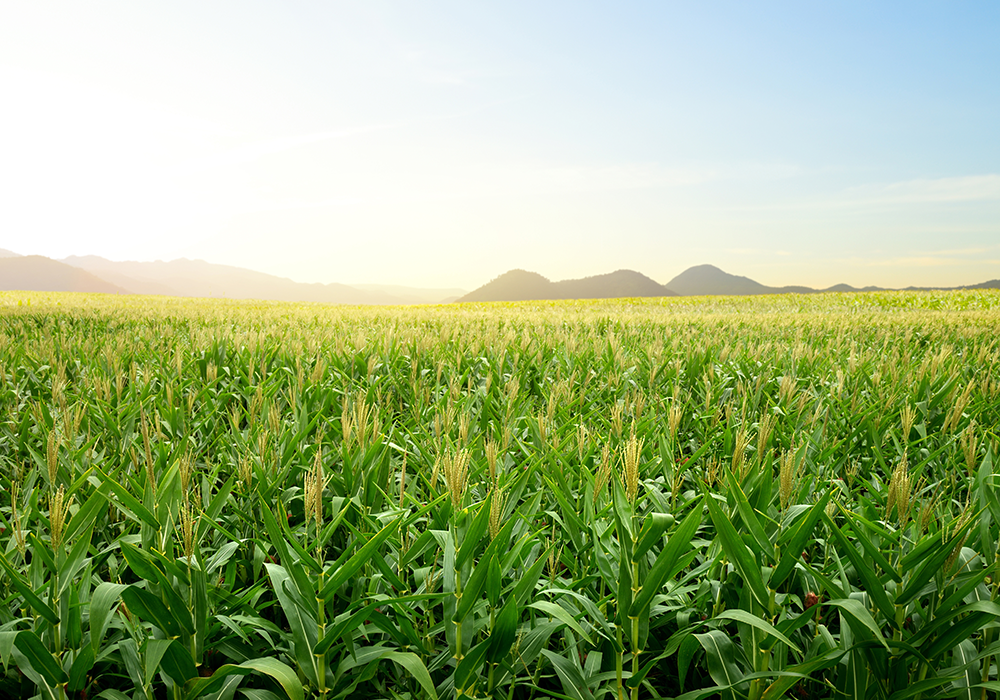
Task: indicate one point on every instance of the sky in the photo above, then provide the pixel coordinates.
(440, 144)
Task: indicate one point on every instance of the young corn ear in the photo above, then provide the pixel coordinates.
(899, 492)
(189, 523)
(58, 506)
(787, 478)
(765, 427)
(456, 475)
(906, 417)
(739, 452)
(603, 472)
(402, 481)
(315, 483)
(631, 451)
(969, 444)
(52, 458)
(15, 515)
(674, 417)
(497, 503)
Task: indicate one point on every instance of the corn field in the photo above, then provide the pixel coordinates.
(751, 498)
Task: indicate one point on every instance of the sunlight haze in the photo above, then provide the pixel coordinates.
(440, 144)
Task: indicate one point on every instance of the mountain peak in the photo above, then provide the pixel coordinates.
(521, 285)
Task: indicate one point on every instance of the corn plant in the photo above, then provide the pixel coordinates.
(746, 498)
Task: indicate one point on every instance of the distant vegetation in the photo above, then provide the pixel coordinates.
(687, 497)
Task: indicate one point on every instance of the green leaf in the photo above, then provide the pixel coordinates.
(75, 560)
(932, 564)
(354, 564)
(964, 658)
(276, 536)
(472, 589)
(573, 682)
(474, 535)
(85, 517)
(221, 556)
(105, 597)
(754, 621)
(792, 674)
(504, 632)
(859, 613)
(494, 581)
(41, 660)
(524, 587)
(593, 611)
(798, 541)
(469, 666)
(721, 654)
(872, 585)
(25, 590)
(764, 547)
(280, 672)
(143, 565)
(150, 608)
(859, 525)
(177, 663)
(341, 624)
(666, 564)
(304, 627)
(559, 612)
(737, 551)
(6, 644)
(416, 667)
(129, 503)
(651, 532)
(918, 688)
(685, 653)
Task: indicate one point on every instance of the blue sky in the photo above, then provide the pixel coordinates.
(443, 143)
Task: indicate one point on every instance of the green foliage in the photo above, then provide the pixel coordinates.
(686, 497)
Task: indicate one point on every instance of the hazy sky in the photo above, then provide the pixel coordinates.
(442, 143)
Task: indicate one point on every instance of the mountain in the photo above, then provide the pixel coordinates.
(991, 284)
(40, 274)
(521, 285)
(197, 278)
(4, 253)
(614, 285)
(704, 280)
(708, 280)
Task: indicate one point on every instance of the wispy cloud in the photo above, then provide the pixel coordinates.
(949, 189)
(908, 193)
(953, 257)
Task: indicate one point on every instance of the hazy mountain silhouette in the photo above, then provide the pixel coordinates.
(197, 278)
(40, 274)
(991, 284)
(521, 285)
(708, 280)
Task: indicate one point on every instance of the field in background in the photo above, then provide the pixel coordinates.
(755, 498)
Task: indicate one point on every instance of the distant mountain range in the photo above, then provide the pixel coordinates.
(700, 280)
(197, 278)
(193, 278)
(520, 285)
